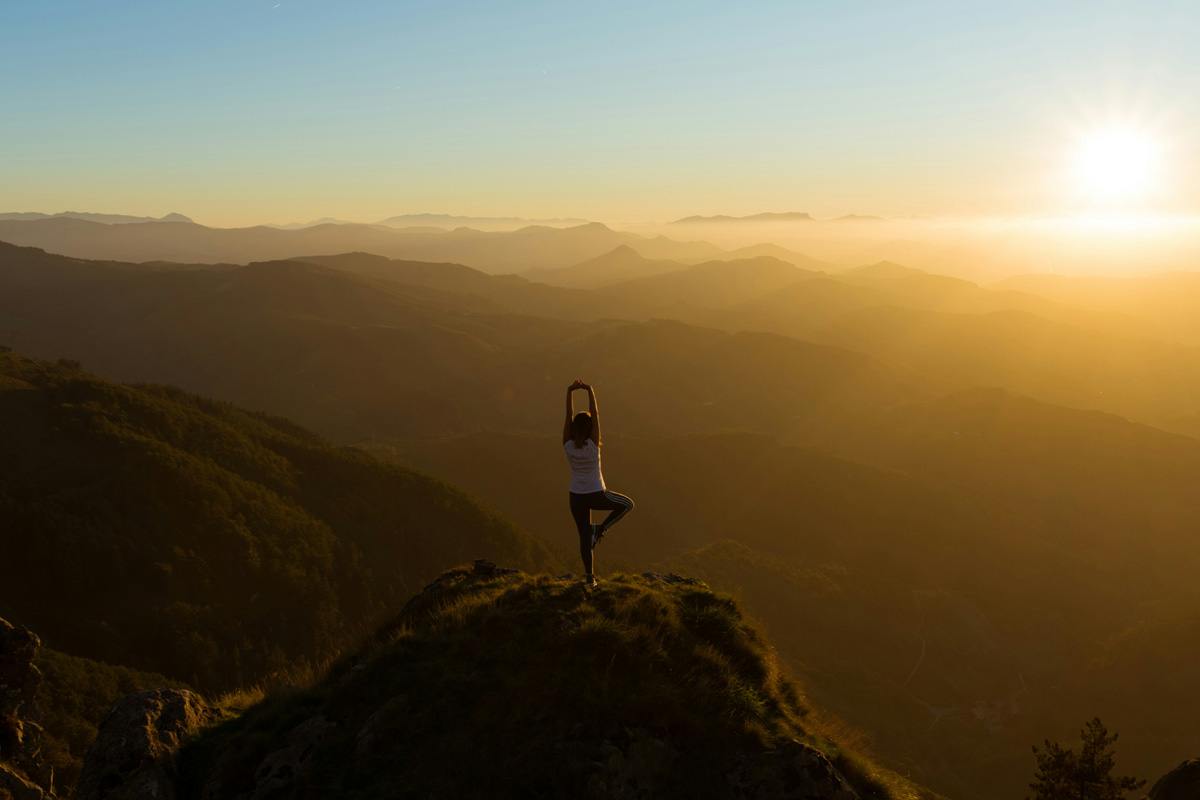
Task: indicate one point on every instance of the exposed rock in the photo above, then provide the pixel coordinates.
(635, 772)
(14, 786)
(20, 733)
(672, 578)
(1181, 783)
(794, 770)
(368, 739)
(489, 569)
(131, 758)
(19, 678)
(281, 768)
(250, 775)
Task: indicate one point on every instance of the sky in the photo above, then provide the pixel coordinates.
(240, 112)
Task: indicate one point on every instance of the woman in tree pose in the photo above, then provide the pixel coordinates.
(581, 440)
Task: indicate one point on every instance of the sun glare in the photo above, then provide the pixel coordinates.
(1117, 164)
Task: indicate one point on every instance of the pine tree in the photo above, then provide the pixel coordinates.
(1062, 775)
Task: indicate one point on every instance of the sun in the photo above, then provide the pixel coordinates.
(1117, 163)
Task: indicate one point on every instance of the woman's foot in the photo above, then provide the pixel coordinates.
(597, 535)
(590, 580)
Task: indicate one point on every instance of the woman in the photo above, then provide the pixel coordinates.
(581, 440)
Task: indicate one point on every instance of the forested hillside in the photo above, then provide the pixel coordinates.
(145, 526)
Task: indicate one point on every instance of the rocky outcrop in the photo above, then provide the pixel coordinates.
(636, 771)
(26, 774)
(1181, 783)
(275, 773)
(131, 758)
(671, 578)
(482, 569)
(488, 569)
(794, 770)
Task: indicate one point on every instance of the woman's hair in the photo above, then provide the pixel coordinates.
(581, 427)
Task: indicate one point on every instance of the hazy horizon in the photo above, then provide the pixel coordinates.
(243, 113)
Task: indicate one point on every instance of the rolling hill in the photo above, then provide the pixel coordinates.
(1168, 299)
(148, 527)
(350, 355)
(510, 293)
(622, 263)
(713, 283)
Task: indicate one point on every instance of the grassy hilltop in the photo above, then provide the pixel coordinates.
(529, 686)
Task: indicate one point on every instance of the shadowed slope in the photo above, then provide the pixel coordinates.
(149, 527)
(714, 283)
(510, 293)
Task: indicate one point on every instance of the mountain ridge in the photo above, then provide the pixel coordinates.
(106, 219)
(765, 216)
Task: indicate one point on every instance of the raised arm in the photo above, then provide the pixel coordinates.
(570, 413)
(595, 437)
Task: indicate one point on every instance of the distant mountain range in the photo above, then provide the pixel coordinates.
(295, 226)
(106, 219)
(628, 263)
(451, 221)
(351, 354)
(442, 222)
(491, 251)
(766, 216)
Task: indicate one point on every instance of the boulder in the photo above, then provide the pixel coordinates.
(20, 731)
(19, 678)
(368, 741)
(488, 569)
(794, 770)
(17, 787)
(1181, 783)
(254, 776)
(639, 770)
(278, 770)
(131, 758)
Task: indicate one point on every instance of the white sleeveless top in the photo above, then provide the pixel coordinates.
(585, 467)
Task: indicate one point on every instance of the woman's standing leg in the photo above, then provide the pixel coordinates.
(582, 513)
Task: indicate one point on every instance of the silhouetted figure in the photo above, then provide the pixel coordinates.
(581, 441)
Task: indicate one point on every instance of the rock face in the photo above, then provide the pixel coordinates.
(26, 775)
(131, 757)
(276, 772)
(794, 770)
(1181, 783)
(636, 771)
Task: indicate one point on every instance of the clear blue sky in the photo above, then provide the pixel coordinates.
(253, 111)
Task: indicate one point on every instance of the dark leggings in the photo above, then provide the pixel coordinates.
(582, 506)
